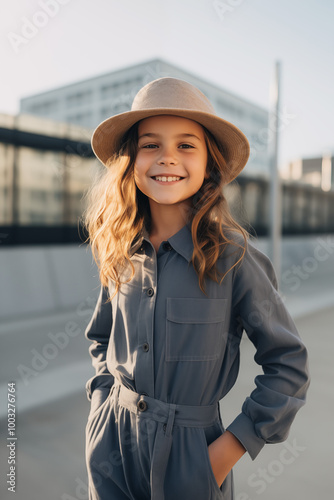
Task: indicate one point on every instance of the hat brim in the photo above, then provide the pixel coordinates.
(107, 137)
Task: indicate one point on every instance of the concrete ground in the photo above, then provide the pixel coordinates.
(303, 471)
(50, 444)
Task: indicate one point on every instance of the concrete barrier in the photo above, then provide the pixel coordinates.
(49, 279)
(45, 279)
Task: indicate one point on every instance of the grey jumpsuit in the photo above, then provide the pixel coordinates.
(165, 354)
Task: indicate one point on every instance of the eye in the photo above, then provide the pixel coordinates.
(186, 146)
(149, 146)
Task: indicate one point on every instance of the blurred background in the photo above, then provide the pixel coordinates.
(68, 65)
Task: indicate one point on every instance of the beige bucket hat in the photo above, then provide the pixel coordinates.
(172, 96)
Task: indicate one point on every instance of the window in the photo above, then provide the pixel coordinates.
(78, 98)
(38, 195)
(44, 107)
(110, 89)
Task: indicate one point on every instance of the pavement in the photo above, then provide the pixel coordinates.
(50, 369)
(303, 470)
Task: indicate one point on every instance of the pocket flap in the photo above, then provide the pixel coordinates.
(186, 310)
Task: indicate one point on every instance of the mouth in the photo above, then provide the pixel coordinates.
(167, 179)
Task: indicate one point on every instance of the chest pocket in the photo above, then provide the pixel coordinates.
(194, 329)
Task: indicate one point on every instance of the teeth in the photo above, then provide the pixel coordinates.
(166, 179)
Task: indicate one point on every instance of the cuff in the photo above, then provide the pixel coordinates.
(242, 428)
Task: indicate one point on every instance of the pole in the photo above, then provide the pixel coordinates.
(275, 222)
(15, 215)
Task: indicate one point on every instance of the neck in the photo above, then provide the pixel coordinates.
(167, 220)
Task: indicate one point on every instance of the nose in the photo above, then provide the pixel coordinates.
(167, 157)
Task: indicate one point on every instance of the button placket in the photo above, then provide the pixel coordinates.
(145, 325)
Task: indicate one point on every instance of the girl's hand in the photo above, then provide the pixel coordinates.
(224, 453)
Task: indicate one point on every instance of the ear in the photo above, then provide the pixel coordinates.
(206, 174)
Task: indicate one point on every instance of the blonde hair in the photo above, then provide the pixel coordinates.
(117, 211)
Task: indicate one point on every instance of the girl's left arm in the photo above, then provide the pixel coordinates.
(280, 392)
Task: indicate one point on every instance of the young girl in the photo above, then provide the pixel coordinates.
(180, 282)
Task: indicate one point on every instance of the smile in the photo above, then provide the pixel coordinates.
(166, 179)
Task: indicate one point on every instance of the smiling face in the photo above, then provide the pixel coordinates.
(170, 166)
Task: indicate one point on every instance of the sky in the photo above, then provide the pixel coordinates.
(231, 43)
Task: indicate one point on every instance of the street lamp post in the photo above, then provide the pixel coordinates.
(275, 212)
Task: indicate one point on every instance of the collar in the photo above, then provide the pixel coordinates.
(181, 241)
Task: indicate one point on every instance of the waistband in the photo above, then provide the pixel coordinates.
(182, 415)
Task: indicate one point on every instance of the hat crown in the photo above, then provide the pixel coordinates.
(171, 93)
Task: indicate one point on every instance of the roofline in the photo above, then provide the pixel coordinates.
(149, 61)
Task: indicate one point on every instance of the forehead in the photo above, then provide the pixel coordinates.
(170, 122)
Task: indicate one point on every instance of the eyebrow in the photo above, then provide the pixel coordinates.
(151, 134)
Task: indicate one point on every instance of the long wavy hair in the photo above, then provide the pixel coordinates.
(117, 210)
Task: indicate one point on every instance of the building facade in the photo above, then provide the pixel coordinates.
(45, 167)
(317, 171)
(88, 102)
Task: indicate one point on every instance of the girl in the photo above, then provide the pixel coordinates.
(179, 284)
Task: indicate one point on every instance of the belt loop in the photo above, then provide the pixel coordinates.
(116, 393)
(170, 421)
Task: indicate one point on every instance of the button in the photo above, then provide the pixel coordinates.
(146, 347)
(142, 405)
(141, 249)
(165, 425)
(150, 292)
(167, 246)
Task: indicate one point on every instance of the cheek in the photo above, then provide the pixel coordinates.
(140, 177)
(138, 171)
(202, 169)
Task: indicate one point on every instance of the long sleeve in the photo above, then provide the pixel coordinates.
(269, 411)
(98, 331)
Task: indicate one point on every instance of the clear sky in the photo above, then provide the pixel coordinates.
(232, 43)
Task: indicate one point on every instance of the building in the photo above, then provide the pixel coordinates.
(45, 167)
(88, 102)
(317, 171)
